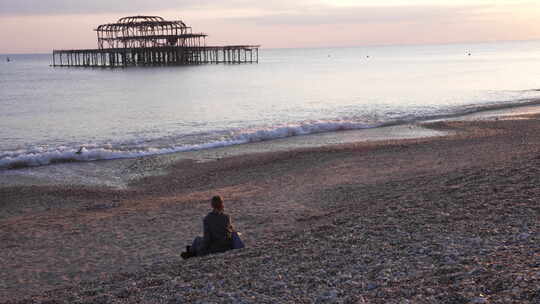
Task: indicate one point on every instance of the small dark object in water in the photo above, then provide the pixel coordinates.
(80, 150)
(8, 59)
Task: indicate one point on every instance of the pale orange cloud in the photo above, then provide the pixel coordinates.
(278, 24)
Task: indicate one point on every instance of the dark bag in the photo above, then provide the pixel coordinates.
(237, 242)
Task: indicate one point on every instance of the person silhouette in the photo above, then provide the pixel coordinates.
(218, 233)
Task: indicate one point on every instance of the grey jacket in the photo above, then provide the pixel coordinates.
(217, 232)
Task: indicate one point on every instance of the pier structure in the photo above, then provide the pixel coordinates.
(152, 41)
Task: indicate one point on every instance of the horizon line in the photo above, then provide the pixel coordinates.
(349, 46)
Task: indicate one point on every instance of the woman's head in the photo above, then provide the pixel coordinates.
(217, 203)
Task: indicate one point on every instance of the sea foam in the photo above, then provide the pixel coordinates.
(46, 155)
(39, 156)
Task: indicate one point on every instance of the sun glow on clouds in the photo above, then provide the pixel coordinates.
(421, 2)
(277, 23)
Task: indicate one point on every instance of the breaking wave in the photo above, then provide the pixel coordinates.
(39, 156)
(45, 155)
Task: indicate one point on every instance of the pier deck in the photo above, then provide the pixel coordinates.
(155, 56)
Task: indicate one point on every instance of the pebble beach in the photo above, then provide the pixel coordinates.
(452, 218)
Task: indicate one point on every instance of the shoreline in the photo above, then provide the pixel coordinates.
(447, 217)
(119, 173)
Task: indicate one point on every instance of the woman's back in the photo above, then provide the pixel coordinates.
(217, 232)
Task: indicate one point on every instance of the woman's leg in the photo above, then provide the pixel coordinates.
(197, 246)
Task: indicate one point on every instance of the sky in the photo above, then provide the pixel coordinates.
(39, 26)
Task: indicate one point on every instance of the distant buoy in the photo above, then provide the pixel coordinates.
(8, 59)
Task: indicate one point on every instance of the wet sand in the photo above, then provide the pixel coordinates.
(119, 173)
(474, 182)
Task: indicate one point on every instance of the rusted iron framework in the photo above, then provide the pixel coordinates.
(147, 31)
(152, 40)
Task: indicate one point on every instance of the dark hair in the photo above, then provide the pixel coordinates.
(217, 203)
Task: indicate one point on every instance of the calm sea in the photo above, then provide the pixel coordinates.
(48, 114)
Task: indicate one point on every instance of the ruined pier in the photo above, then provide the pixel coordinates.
(152, 41)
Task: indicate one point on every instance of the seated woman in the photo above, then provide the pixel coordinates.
(218, 232)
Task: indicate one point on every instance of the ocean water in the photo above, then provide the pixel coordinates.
(49, 114)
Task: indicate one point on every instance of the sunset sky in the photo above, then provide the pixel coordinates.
(38, 26)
